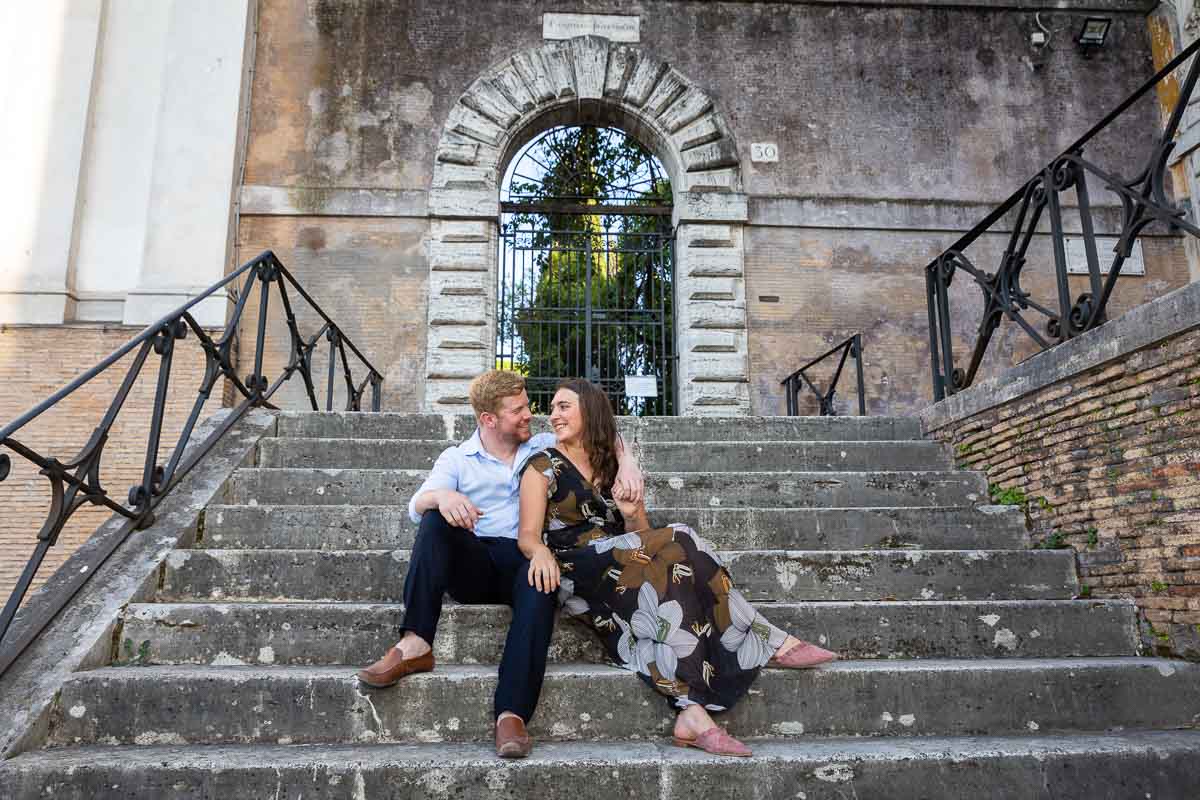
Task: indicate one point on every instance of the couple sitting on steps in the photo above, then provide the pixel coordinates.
(506, 517)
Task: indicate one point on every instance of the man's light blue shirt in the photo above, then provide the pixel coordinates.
(493, 486)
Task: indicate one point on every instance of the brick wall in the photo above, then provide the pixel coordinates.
(1108, 462)
(37, 361)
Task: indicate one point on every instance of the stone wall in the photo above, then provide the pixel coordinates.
(34, 363)
(898, 127)
(1099, 439)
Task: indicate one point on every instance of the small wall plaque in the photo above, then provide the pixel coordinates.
(1077, 257)
(764, 152)
(641, 386)
(616, 27)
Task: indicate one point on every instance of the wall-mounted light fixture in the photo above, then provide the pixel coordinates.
(1039, 43)
(1093, 34)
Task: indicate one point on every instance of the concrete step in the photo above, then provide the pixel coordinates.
(388, 527)
(365, 425)
(325, 634)
(1164, 765)
(657, 457)
(664, 489)
(377, 576)
(350, 425)
(203, 705)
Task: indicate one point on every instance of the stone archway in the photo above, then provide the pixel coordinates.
(589, 80)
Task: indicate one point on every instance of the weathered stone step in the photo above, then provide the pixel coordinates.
(389, 527)
(1131, 764)
(377, 576)
(665, 489)
(200, 705)
(312, 634)
(349, 425)
(659, 457)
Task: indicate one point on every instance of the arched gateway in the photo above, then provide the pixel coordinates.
(589, 81)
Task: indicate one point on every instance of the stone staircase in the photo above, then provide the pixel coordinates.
(970, 668)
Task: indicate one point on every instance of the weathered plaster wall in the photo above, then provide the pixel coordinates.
(369, 275)
(932, 109)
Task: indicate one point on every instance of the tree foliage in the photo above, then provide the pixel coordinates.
(555, 261)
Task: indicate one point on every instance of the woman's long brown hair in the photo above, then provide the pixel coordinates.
(599, 430)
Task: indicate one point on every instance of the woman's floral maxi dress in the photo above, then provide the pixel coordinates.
(660, 599)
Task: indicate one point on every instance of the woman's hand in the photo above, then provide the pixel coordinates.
(544, 571)
(632, 508)
(629, 478)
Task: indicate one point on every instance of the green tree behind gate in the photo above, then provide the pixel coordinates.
(630, 260)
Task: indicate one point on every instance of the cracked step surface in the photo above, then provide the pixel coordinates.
(1132, 764)
(377, 576)
(352, 633)
(182, 705)
(347, 527)
(680, 489)
(350, 425)
(654, 457)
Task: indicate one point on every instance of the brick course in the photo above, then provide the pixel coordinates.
(37, 361)
(1109, 460)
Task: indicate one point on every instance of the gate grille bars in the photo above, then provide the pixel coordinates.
(590, 303)
(77, 481)
(793, 384)
(1143, 201)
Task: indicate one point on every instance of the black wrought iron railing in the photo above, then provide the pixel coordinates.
(77, 481)
(795, 384)
(1142, 199)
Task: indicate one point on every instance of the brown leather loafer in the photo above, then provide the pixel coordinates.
(392, 667)
(511, 739)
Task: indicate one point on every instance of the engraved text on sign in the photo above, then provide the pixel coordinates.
(611, 26)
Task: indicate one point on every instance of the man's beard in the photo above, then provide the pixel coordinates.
(521, 435)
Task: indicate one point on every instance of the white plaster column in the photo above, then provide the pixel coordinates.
(119, 168)
(48, 52)
(197, 119)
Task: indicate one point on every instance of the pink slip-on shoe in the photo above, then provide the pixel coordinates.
(803, 656)
(716, 741)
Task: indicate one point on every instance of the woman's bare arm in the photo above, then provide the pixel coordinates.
(629, 474)
(543, 566)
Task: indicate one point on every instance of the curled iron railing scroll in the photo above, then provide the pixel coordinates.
(1143, 201)
(795, 383)
(77, 482)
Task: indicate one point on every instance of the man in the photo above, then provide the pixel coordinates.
(467, 545)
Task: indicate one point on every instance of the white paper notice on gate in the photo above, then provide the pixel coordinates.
(641, 386)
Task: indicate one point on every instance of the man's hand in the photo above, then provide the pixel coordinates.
(629, 485)
(543, 570)
(459, 511)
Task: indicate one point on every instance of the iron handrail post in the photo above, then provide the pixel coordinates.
(148, 332)
(858, 365)
(1143, 201)
(77, 482)
(849, 348)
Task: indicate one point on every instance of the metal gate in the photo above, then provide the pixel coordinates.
(590, 303)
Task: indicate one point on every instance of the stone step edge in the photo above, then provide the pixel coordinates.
(352, 757)
(463, 672)
(449, 603)
(932, 445)
(911, 554)
(984, 509)
(821, 474)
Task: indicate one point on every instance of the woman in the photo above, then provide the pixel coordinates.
(659, 598)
